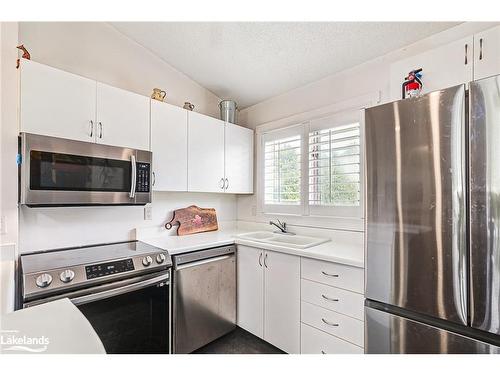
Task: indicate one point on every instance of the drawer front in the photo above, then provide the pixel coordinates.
(334, 274)
(336, 324)
(314, 341)
(331, 298)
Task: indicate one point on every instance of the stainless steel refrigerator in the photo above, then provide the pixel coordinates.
(433, 222)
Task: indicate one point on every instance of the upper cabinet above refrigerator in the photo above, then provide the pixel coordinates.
(442, 67)
(487, 53)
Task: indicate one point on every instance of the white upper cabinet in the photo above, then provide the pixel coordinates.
(169, 132)
(122, 118)
(442, 67)
(238, 159)
(56, 103)
(205, 153)
(487, 53)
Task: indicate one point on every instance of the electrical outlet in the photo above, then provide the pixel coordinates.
(3, 225)
(148, 212)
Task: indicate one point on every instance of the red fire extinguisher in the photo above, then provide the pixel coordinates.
(412, 86)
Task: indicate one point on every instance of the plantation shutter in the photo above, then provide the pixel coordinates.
(282, 167)
(335, 165)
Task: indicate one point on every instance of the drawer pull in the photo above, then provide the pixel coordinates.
(329, 323)
(330, 299)
(329, 274)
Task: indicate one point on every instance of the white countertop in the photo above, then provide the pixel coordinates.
(56, 327)
(331, 251)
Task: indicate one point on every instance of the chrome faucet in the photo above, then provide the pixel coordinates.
(281, 226)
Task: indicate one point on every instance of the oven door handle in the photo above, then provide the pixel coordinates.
(133, 177)
(118, 291)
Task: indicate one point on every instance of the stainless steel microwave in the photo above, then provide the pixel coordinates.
(62, 172)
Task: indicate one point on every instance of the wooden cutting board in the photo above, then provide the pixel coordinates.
(194, 219)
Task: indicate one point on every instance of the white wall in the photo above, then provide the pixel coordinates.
(363, 81)
(98, 51)
(49, 228)
(8, 166)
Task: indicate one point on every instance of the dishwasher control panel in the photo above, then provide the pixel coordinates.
(199, 255)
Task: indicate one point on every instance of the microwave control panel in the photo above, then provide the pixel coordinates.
(143, 177)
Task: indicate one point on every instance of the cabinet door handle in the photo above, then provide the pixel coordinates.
(480, 48)
(227, 184)
(329, 323)
(221, 183)
(154, 179)
(330, 299)
(466, 48)
(260, 259)
(265, 260)
(329, 274)
(91, 124)
(100, 129)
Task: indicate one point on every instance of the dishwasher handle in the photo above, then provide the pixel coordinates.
(203, 261)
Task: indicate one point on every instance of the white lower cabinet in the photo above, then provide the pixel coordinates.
(250, 284)
(269, 296)
(335, 299)
(314, 341)
(281, 301)
(339, 325)
(286, 300)
(332, 308)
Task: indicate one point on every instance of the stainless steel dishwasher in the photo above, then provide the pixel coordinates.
(204, 297)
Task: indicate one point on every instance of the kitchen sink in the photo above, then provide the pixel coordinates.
(294, 241)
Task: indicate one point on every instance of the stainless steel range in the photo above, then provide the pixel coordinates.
(123, 289)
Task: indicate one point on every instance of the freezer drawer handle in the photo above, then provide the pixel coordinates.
(329, 323)
(329, 274)
(330, 299)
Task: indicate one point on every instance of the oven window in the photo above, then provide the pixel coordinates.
(135, 322)
(53, 171)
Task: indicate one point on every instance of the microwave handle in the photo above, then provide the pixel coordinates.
(133, 177)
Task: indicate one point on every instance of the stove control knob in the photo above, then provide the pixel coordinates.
(146, 261)
(43, 280)
(160, 258)
(66, 276)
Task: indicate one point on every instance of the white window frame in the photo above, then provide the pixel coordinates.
(339, 118)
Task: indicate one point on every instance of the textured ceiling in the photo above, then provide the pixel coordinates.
(253, 61)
